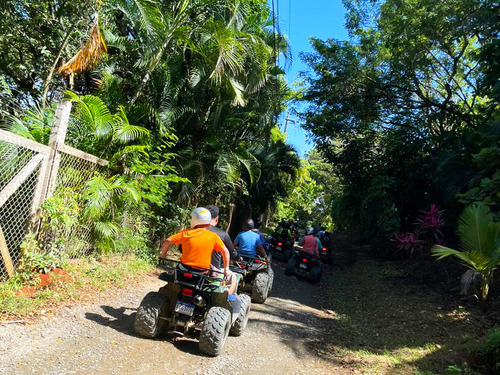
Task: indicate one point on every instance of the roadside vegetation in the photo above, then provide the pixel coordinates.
(33, 293)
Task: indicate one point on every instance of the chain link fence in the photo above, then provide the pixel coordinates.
(42, 190)
(73, 237)
(18, 181)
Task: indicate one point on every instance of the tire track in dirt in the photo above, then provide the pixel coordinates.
(284, 335)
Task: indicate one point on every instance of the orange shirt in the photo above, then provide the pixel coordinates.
(197, 246)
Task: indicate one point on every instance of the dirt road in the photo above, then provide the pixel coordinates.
(284, 335)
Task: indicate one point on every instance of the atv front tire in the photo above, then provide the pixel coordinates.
(290, 268)
(148, 322)
(260, 287)
(215, 330)
(242, 320)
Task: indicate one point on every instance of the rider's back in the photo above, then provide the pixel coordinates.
(197, 246)
(310, 244)
(247, 243)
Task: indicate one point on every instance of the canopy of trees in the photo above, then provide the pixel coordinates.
(194, 85)
(406, 111)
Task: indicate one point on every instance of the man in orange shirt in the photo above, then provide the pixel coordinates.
(198, 243)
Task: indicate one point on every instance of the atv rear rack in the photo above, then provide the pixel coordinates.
(203, 277)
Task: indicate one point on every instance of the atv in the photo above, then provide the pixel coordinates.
(281, 249)
(304, 265)
(326, 253)
(193, 303)
(257, 277)
(326, 250)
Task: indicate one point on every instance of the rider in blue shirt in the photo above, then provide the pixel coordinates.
(249, 242)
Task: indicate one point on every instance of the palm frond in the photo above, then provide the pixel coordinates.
(477, 231)
(125, 132)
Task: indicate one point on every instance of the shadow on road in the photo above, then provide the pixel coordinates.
(120, 319)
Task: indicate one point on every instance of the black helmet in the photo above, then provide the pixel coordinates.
(248, 224)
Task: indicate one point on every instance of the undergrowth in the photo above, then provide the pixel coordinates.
(22, 296)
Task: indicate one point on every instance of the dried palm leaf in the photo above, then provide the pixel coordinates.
(89, 55)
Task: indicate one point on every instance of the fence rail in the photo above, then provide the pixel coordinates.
(30, 173)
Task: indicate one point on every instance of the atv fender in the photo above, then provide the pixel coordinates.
(171, 290)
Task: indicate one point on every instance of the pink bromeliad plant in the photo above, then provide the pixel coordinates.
(428, 232)
(408, 243)
(430, 223)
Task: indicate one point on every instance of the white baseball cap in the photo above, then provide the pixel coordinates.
(200, 216)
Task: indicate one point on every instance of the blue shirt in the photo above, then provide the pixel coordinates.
(247, 243)
(263, 240)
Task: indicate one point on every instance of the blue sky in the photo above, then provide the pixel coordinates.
(305, 18)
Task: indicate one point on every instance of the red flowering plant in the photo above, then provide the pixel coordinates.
(430, 224)
(408, 243)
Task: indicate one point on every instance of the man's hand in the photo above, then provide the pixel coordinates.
(162, 261)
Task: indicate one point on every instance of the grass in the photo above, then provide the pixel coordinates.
(19, 300)
(388, 325)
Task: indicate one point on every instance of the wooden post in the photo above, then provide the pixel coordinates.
(231, 210)
(57, 138)
(4, 251)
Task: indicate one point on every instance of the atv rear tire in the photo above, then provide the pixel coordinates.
(242, 320)
(147, 321)
(215, 330)
(260, 287)
(290, 268)
(316, 273)
(270, 272)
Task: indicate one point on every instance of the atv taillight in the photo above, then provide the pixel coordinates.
(279, 244)
(187, 275)
(304, 260)
(257, 260)
(187, 292)
(324, 249)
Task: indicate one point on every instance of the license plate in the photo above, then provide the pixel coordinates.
(303, 265)
(184, 308)
(278, 247)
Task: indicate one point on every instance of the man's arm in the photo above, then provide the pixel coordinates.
(225, 257)
(261, 250)
(320, 247)
(164, 248)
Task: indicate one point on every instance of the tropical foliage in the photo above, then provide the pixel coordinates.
(406, 112)
(181, 97)
(479, 244)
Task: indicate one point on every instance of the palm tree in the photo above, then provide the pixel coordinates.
(479, 243)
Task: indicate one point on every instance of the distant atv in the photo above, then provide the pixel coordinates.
(305, 265)
(192, 303)
(326, 253)
(281, 249)
(257, 277)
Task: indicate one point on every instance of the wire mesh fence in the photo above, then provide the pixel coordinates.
(71, 236)
(55, 175)
(13, 159)
(16, 207)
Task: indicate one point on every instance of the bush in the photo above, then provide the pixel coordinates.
(486, 358)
